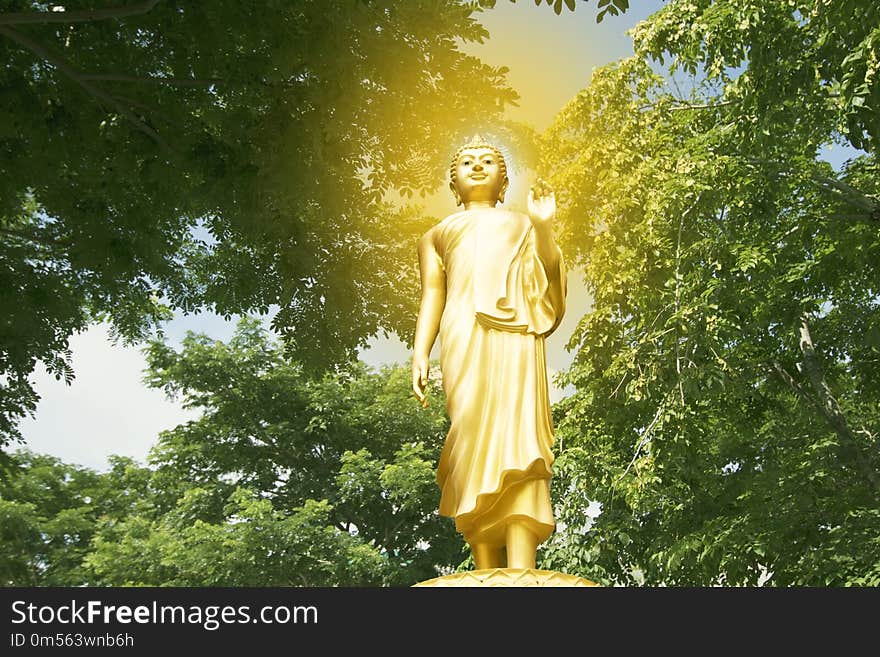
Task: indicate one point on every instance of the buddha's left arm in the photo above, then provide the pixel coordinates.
(551, 259)
(547, 250)
(542, 213)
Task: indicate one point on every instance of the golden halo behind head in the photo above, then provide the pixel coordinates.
(479, 142)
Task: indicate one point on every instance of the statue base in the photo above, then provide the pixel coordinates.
(515, 577)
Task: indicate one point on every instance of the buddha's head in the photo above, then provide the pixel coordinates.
(478, 173)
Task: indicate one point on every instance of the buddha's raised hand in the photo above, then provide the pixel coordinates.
(542, 204)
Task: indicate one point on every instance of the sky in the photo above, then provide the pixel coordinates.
(108, 410)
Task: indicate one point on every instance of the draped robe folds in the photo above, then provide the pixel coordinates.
(500, 305)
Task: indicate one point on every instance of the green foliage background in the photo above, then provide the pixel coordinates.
(725, 413)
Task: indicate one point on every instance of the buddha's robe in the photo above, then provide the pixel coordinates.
(496, 462)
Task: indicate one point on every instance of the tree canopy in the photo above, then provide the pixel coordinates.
(174, 155)
(284, 480)
(49, 514)
(725, 412)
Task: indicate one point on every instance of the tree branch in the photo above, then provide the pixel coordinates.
(139, 105)
(177, 82)
(33, 238)
(850, 194)
(85, 16)
(65, 67)
(646, 436)
(613, 394)
(794, 385)
(829, 405)
(682, 107)
(678, 278)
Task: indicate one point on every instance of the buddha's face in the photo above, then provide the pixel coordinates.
(478, 176)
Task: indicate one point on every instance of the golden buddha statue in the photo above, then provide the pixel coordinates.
(493, 288)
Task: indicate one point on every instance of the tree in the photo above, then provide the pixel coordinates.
(50, 512)
(187, 155)
(727, 381)
(285, 479)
